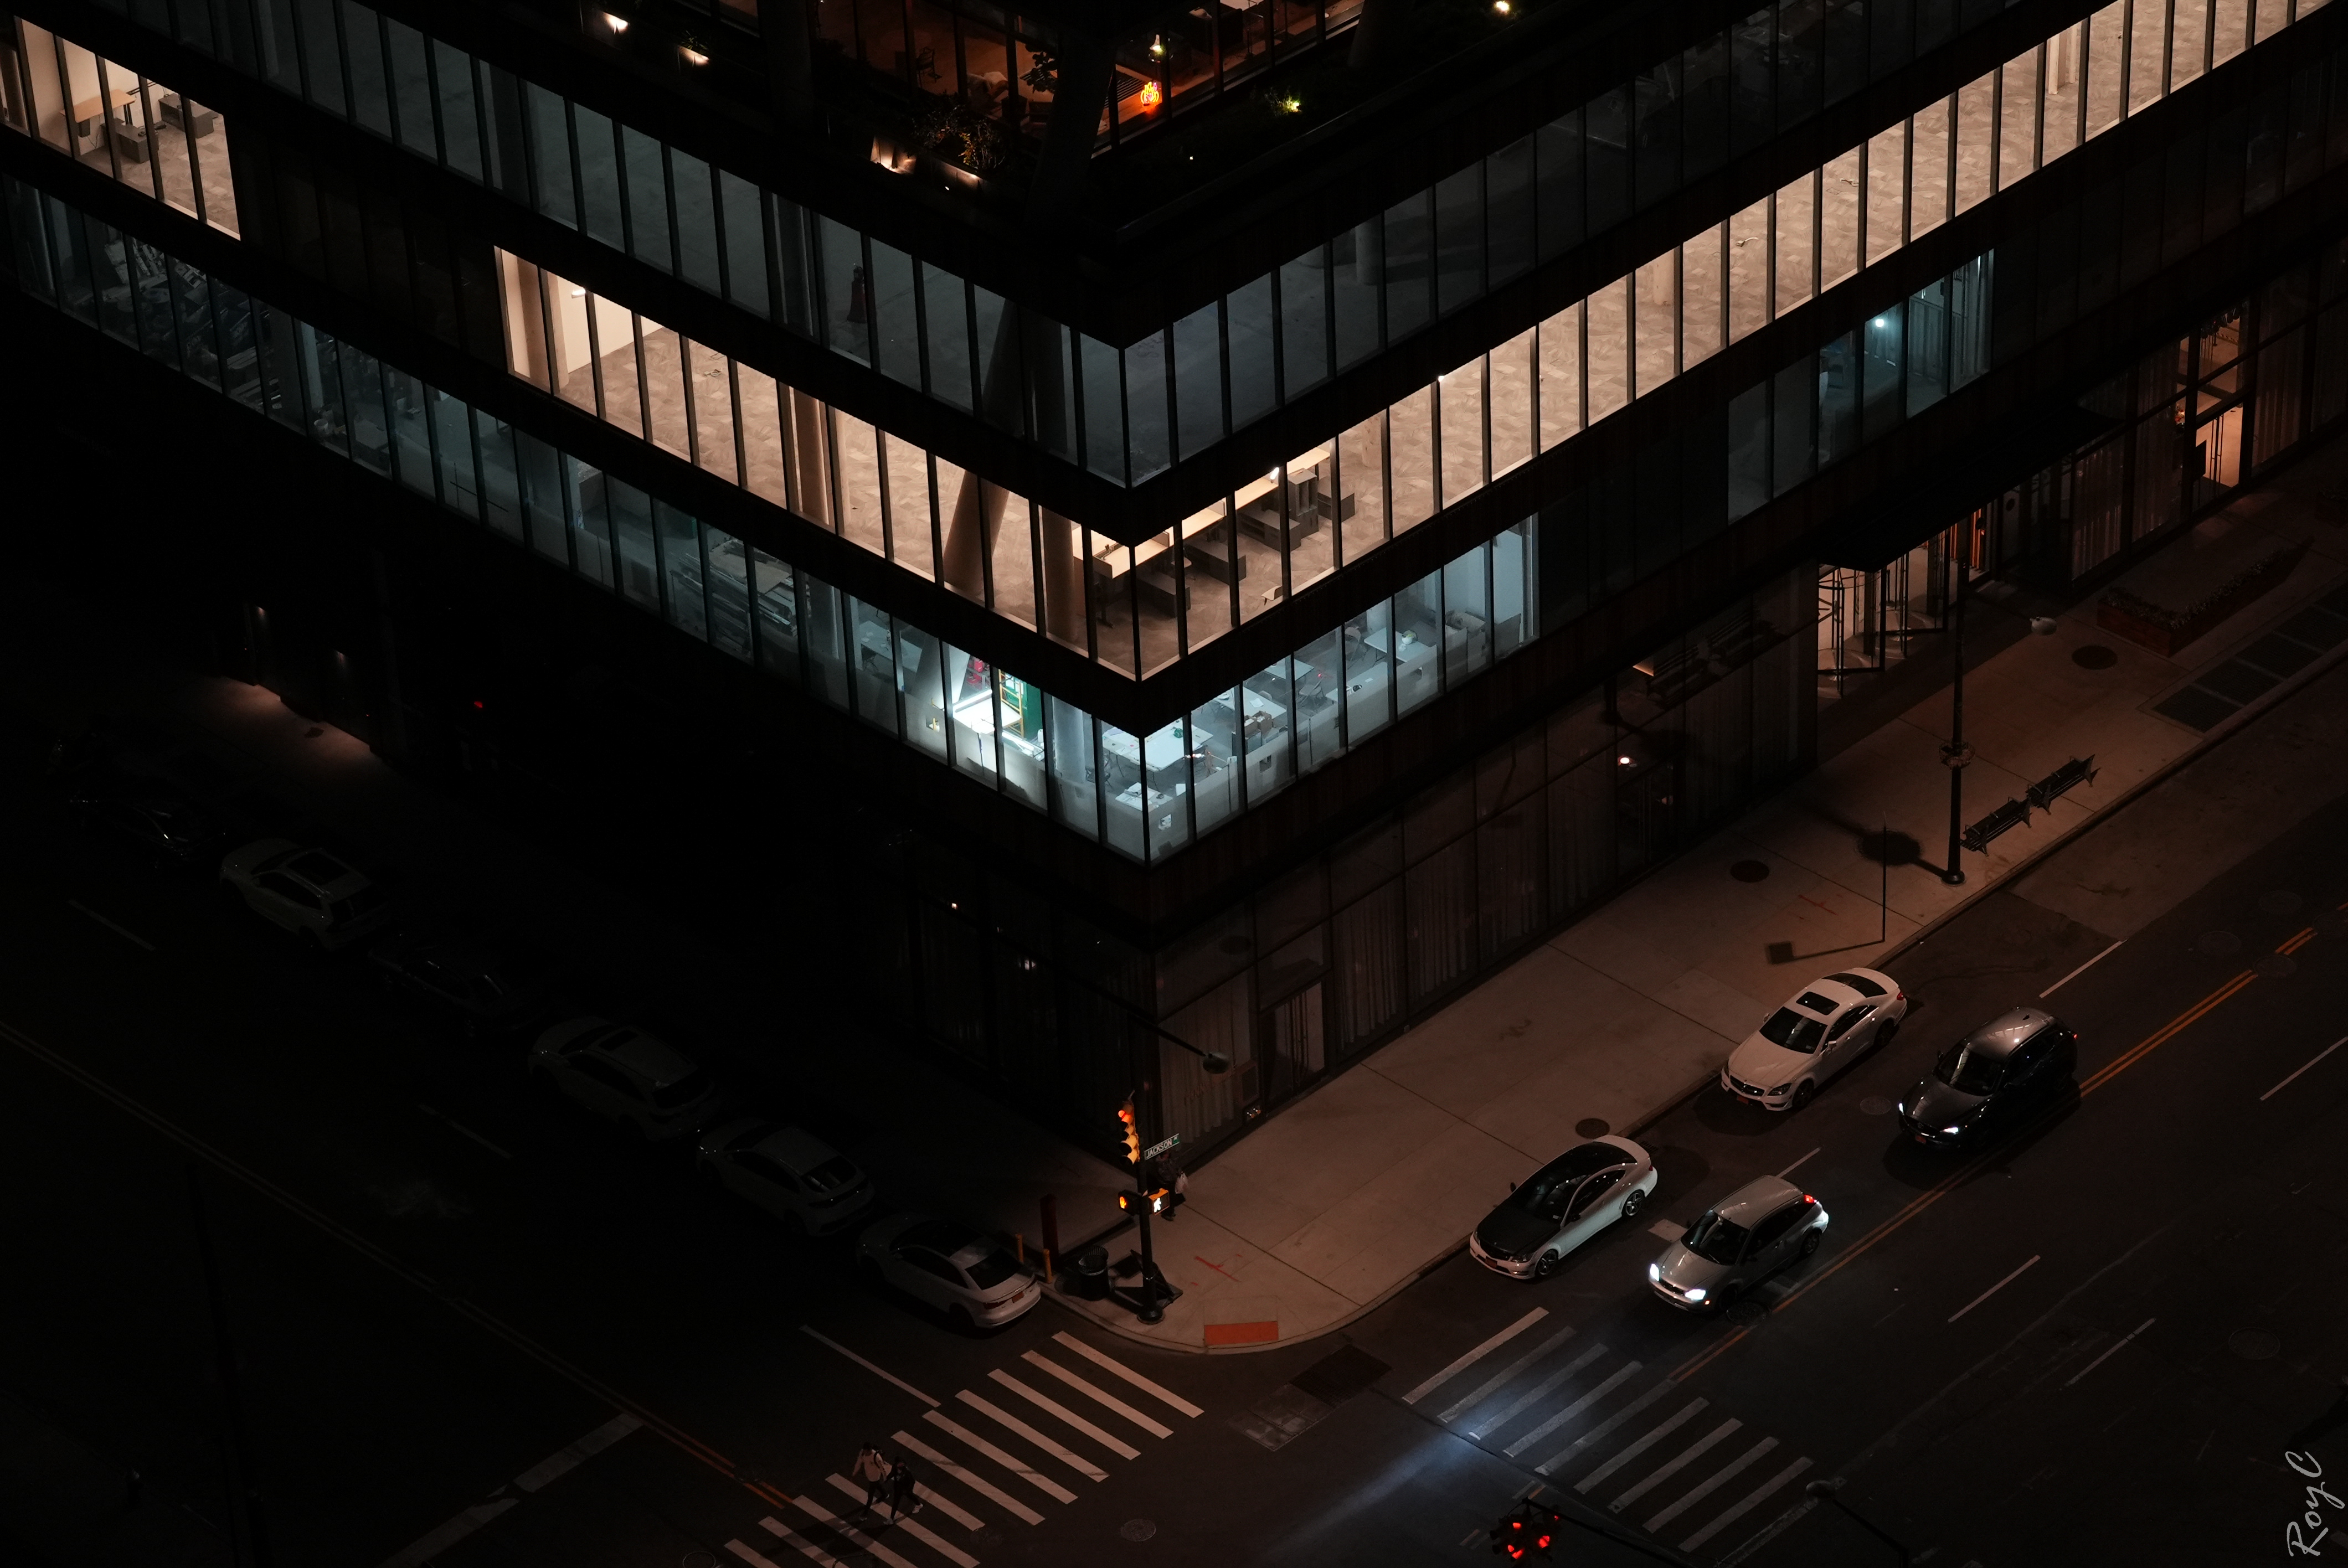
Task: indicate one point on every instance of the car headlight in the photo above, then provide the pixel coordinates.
(1952, 1131)
(1655, 1273)
(1903, 1108)
(1781, 1089)
(1696, 1294)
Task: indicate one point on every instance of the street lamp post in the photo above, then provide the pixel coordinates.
(1824, 1491)
(1956, 754)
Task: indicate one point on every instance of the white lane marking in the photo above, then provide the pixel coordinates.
(1117, 1446)
(1110, 1364)
(1541, 1389)
(2108, 1354)
(1491, 1385)
(758, 1561)
(2319, 1057)
(782, 1532)
(1623, 1376)
(1550, 1465)
(1478, 1354)
(426, 1547)
(969, 1478)
(1745, 1504)
(1667, 1230)
(564, 1461)
(459, 1126)
(1016, 1465)
(817, 1510)
(1992, 1290)
(1796, 1165)
(1005, 1419)
(2082, 969)
(876, 1371)
(1717, 1479)
(915, 1527)
(126, 936)
(1641, 1446)
(1688, 1456)
(1149, 1424)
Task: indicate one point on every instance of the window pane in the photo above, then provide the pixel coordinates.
(680, 561)
(858, 454)
(713, 411)
(1019, 714)
(598, 176)
(1703, 289)
(1467, 617)
(664, 402)
(370, 94)
(1247, 323)
(1561, 376)
(1977, 137)
(2106, 46)
(461, 119)
(1199, 379)
(591, 523)
(1508, 214)
(1410, 265)
(745, 249)
(647, 199)
(895, 328)
(1148, 438)
(1928, 199)
(1076, 794)
(1418, 641)
(1609, 312)
(500, 485)
(762, 434)
(412, 84)
(1839, 203)
(1512, 402)
(1460, 399)
(910, 542)
(1887, 190)
(696, 220)
(1357, 265)
(1459, 239)
(1303, 321)
(2017, 153)
(550, 149)
(1267, 731)
(1368, 647)
(1104, 408)
(1319, 688)
(1797, 236)
(726, 582)
(1655, 295)
(1214, 762)
(1411, 458)
(775, 615)
(1361, 504)
(947, 305)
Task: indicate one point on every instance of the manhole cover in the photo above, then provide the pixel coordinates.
(1137, 1530)
(2277, 965)
(1746, 1313)
(697, 1558)
(1590, 1127)
(2094, 656)
(1875, 1105)
(2253, 1344)
(2218, 944)
(2281, 901)
(1750, 871)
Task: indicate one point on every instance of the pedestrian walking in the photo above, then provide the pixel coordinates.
(871, 1472)
(902, 1499)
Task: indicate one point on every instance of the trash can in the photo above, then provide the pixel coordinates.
(1087, 1274)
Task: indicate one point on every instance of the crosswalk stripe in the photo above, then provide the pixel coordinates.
(1486, 1388)
(1745, 1504)
(755, 1559)
(1641, 1446)
(1549, 1466)
(817, 1510)
(1478, 1354)
(1628, 1371)
(1066, 1456)
(914, 1528)
(969, 1478)
(807, 1549)
(1016, 1466)
(1110, 1364)
(1688, 1457)
(1712, 1482)
(1117, 1446)
(1150, 1424)
(1539, 1391)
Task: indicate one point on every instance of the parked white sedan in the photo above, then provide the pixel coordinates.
(307, 891)
(1562, 1205)
(627, 1075)
(792, 1175)
(1814, 1036)
(951, 1266)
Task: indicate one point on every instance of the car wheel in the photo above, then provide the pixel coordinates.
(1802, 1095)
(1810, 1242)
(1633, 1202)
(1545, 1266)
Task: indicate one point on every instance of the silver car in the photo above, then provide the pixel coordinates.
(1740, 1240)
(804, 1183)
(1562, 1205)
(627, 1075)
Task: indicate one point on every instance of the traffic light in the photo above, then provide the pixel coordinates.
(1526, 1533)
(1128, 1133)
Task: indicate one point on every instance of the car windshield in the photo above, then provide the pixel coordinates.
(1545, 1192)
(318, 866)
(1859, 983)
(1965, 1066)
(683, 1091)
(991, 1270)
(1714, 1239)
(832, 1173)
(755, 1132)
(1791, 1029)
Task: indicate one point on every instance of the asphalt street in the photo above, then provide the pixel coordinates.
(472, 1327)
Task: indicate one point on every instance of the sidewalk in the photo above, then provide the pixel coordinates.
(1348, 1195)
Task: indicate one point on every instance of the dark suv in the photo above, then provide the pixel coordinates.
(1997, 1076)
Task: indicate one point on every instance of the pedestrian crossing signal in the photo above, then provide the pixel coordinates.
(1129, 1134)
(1162, 1200)
(1526, 1533)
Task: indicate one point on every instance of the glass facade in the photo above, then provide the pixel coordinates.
(118, 122)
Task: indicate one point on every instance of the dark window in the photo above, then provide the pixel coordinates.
(1596, 1188)
(1967, 1068)
(370, 97)
(1409, 272)
(1859, 983)
(1714, 1239)
(1752, 93)
(992, 1269)
(1849, 1020)
(283, 886)
(599, 178)
(1655, 135)
(1771, 1231)
(411, 81)
(1704, 106)
(1607, 147)
(1459, 239)
(1557, 165)
(685, 1091)
(1304, 321)
(696, 222)
(609, 1076)
(648, 231)
(767, 1170)
(1247, 327)
(460, 116)
(1509, 210)
(1791, 1029)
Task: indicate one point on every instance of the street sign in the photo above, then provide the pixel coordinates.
(1160, 1148)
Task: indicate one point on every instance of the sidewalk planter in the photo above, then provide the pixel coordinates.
(2164, 630)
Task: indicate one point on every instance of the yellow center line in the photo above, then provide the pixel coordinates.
(2296, 943)
(1956, 1178)
(545, 1357)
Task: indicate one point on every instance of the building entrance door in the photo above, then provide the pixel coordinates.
(1644, 814)
(1293, 1032)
